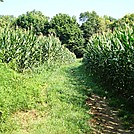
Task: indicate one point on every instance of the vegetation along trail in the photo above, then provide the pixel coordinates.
(69, 106)
(61, 76)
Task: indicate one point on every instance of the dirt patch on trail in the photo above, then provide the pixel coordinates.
(25, 119)
(105, 120)
(25, 116)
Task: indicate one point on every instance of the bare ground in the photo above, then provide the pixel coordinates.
(105, 120)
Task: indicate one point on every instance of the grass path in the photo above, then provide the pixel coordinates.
(60, 109)
(66, 99)
(68, 104)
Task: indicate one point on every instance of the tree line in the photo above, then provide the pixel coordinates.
(72, 34)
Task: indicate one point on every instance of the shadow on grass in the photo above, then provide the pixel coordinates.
(82, 83)
(81, 86)
(86, 85)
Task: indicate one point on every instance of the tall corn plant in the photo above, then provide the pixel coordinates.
(22, 49)
(111, 57)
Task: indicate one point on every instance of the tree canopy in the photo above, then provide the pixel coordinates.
(34, 20)
(73, 35)
(90, 24)
(68, 31)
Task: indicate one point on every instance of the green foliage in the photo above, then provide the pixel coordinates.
(43, 103)
(6, 20)
(90, 24)
(68, 31)
(110, 56)
(127, 19)
(106, 23)
(33, 20)
(17, 93)
(22, 49)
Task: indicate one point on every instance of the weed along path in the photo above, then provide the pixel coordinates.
(69, 106)
(75, 108)
(88, 96)
(63, 109)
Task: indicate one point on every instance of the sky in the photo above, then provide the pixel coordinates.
(114, 8)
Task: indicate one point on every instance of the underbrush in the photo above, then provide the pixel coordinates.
(123, 106)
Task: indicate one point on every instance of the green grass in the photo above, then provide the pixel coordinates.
(47, 102)
(51, 101)
(18, 93)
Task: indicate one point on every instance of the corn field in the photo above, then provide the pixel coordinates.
(111, 58)
(23, 50)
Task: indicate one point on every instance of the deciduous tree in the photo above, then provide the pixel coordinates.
(90, 24)
(34, 20)
(68, 31)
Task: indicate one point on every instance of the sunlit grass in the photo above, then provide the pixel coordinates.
(50, 102)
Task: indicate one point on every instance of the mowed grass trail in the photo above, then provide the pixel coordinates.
(50, 102)
(66, 100)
